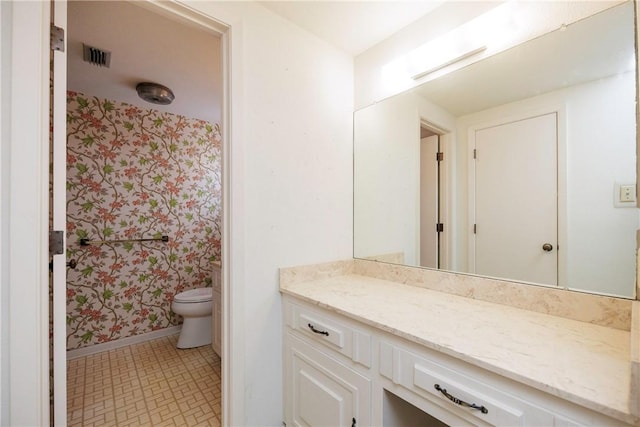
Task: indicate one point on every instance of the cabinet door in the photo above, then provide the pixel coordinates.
(322, 391)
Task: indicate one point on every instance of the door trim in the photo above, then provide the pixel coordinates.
(25, 216)
(59, 220)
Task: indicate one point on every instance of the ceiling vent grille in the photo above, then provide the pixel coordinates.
(95, 56)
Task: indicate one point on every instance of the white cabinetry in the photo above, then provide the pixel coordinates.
(324, 392)
(340, 372)
(324, 364)
(452, 395)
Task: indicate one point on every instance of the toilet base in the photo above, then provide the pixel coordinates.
(196, 332)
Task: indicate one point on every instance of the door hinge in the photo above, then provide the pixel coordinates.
(56, 242)
(439, 227)
(57, 38)
(475, 153)
(439, 156)
(353, 422)
(475, 228)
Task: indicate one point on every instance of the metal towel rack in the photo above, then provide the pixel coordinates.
(87, 242)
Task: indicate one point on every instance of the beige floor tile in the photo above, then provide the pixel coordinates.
(146, 384)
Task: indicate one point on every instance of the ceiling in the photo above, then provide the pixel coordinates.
(144, 46)
(352, 26)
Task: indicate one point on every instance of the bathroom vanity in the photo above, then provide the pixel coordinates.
(442, 182)
(361, 349)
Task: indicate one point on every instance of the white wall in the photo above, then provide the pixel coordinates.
(291, 177)
(387, 175)
(601, 144)
(5, 56)
(290, 198)
(386, 179)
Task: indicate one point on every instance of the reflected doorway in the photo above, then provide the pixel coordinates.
(431, 224)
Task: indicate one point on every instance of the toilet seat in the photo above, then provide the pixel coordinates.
(194, 295)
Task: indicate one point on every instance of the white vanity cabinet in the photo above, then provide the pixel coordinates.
(340, 372)
(323, 391)
(326, 365)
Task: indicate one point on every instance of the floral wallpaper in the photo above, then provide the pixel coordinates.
(136, 173)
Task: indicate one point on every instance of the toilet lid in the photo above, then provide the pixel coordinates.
(195, 295)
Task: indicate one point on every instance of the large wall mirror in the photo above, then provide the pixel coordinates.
(520, 166)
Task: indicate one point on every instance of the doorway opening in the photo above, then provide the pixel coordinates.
(137, 171)
(432, 243)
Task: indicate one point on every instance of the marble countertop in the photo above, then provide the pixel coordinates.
(581, 362)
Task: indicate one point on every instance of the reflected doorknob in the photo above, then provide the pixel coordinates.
(547, 247)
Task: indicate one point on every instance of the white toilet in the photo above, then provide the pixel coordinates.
(195, 307)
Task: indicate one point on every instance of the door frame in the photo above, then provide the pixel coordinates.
(429, 240)
(59, 219)
(24, 215)
(445, 191)
(518, 113)
(24, 108)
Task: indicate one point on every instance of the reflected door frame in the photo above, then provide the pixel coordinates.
(495, 118)
(444, 198)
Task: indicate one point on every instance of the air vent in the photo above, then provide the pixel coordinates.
(96, 56)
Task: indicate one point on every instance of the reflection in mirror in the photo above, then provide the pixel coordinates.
(520, 166)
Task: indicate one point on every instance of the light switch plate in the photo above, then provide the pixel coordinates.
(627, 193)
(624, 195)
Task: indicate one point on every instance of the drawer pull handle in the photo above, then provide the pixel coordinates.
(317, 331)
(458, 401)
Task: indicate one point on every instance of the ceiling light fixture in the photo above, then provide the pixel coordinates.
(155, 93)
(451, 57)
(488, 32)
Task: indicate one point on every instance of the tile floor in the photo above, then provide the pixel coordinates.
(146, 384)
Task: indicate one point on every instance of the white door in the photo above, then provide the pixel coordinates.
(59, 189)
(516, 204)
(428, 202)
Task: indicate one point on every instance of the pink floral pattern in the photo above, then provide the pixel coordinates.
(137, 173)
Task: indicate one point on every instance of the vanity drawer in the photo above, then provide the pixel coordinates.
(449, 388)
(326, 329)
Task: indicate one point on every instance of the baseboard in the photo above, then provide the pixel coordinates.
(99, 348)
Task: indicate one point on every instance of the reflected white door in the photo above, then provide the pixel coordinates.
(428, 202)
(516, 200)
